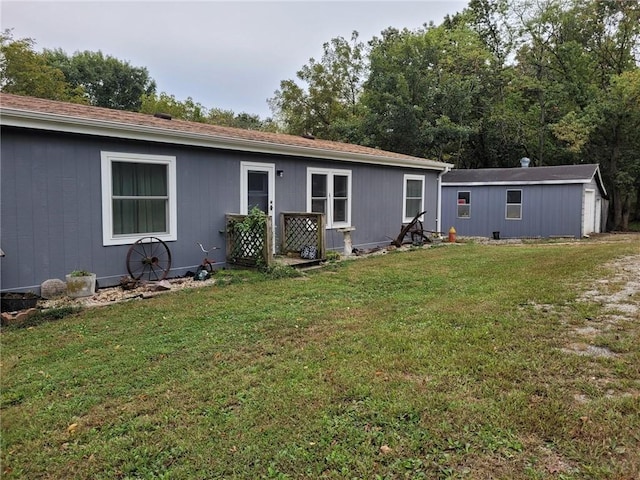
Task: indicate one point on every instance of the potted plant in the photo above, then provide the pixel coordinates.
(81, 283)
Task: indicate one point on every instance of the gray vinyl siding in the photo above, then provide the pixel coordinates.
(51, 200)
(377, 199)
(547, 210)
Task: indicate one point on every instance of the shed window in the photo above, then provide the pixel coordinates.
(514, 205)
(329, 192)
(413, 196)
(138, 197)
(464, 204)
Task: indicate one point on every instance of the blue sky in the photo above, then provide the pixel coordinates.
(224, 54)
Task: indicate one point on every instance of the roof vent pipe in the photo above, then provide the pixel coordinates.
(524, 162)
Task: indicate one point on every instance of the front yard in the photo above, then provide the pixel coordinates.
(465, 361)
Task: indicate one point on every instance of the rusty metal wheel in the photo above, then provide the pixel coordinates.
(149, 259)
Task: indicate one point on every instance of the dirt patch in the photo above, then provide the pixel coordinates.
(583, 349)
(619, 295)
(605, 336)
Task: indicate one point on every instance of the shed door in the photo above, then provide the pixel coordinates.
(589, 217)
(598, 221)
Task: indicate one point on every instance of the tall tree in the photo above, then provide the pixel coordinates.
(583, 59)
(107, 81)
(25, 72)
(424, 93)
(616, 141)
(504, 134)
(327, 102)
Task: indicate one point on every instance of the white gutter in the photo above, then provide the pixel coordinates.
(531, 182)
(109, 128)
(439, 209)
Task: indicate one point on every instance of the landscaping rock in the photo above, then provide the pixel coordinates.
(53, 288)
(160, 286)
(16, 318)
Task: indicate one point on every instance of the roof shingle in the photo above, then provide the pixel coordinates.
(558, 174)
(21, 105)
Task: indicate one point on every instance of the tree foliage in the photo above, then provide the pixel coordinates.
(107, 81)
(424, 95)
(195, 112)
(169, 105)
(327, 103)
(553, 80)
(25, 72)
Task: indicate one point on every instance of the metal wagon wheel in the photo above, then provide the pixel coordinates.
(150, 258)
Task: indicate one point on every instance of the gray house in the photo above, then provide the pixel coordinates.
(80, 184)
(566, 200)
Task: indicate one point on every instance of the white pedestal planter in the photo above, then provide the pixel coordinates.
(81, 286)
(348, 244)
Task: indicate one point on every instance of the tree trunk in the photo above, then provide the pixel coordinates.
(616, 197)
(636, 217)
(626, 211)
(541, 128)
(615, 219)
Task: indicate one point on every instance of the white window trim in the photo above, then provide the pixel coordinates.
(330, 172)
(407, 218)
(107, 159)
(506, 207)
(467, 204)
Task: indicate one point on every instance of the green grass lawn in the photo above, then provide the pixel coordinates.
(431, 363)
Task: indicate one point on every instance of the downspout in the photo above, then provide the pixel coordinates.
(439, 210)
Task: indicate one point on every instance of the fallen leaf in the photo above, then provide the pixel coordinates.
(72, 428)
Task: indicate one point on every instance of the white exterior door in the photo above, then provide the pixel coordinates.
(589, 213)
(257, 189)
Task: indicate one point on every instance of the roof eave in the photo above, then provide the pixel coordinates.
(600, 182)
(99, 127)
(506, 183)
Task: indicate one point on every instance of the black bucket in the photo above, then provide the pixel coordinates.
(12, 302)
(496, 235)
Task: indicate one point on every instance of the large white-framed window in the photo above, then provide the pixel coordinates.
(413, 195)
(464, 204)
(329, 192)
(138, 197)
(514, 205)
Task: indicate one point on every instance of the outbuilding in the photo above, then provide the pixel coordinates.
(526, 202)
(80, 184)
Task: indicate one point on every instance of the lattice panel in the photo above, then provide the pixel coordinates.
(247, 246)
(300, 231)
